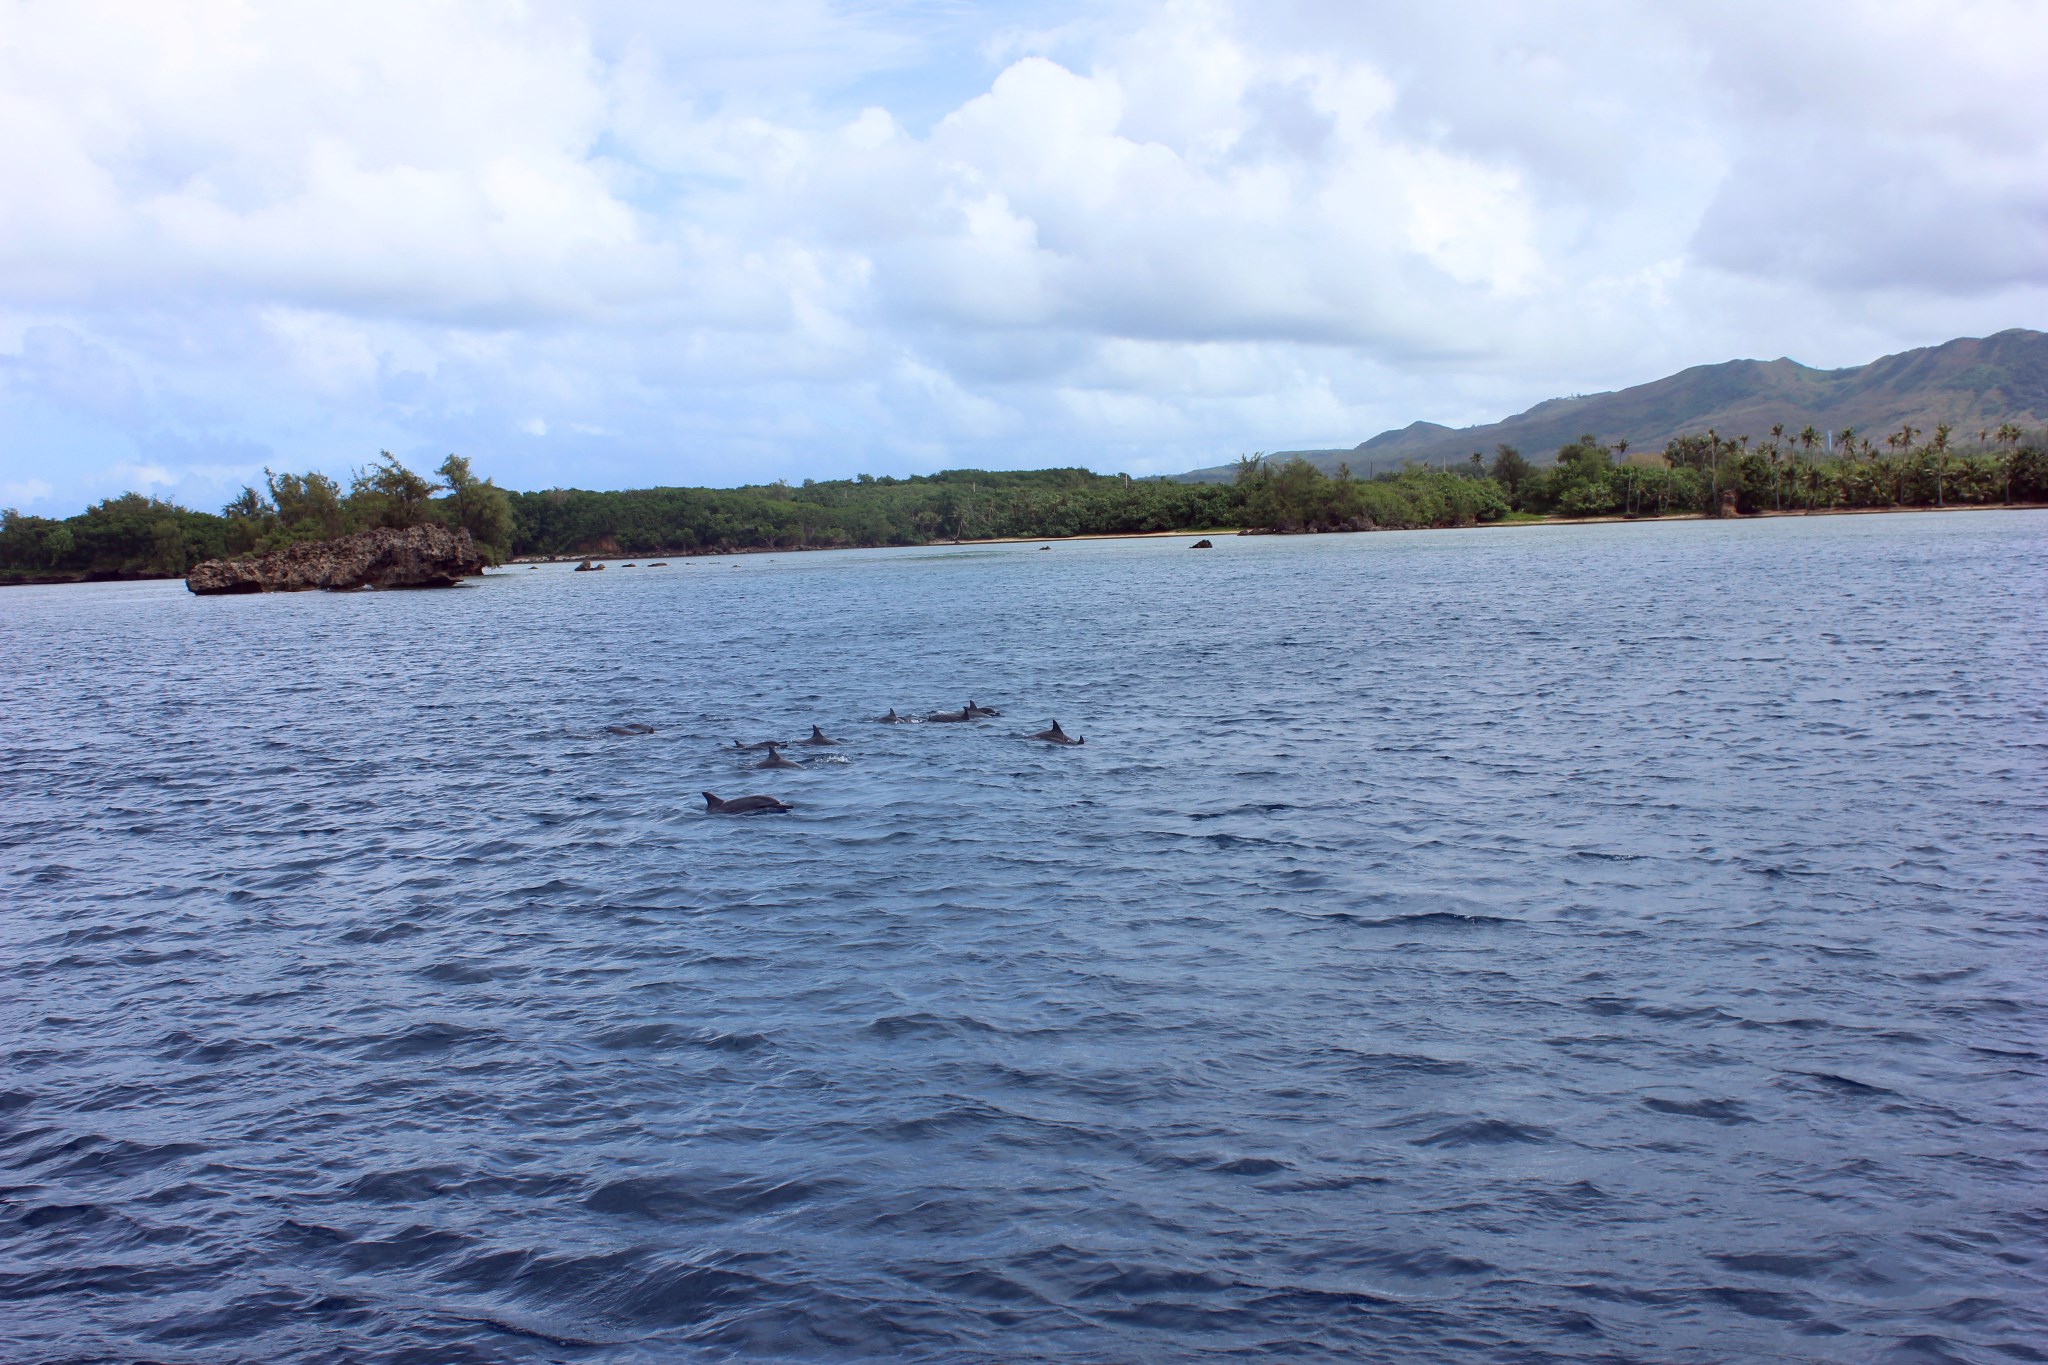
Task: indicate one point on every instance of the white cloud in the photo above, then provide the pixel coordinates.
(1885, 148)
(144, 476)
(717, 243)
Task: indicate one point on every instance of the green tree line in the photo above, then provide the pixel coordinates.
(135, 536)
(960, 504)
(1296, 496)
(138, 536)
(1808, 470)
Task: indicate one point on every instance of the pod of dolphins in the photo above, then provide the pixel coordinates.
(768, 805)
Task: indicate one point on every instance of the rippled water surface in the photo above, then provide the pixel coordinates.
(1598, 943)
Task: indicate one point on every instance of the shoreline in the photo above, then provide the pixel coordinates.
(606, 557)
(1771, 516)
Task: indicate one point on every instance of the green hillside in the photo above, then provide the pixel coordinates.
(1971, 384)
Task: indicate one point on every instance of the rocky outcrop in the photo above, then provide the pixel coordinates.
(416, 557)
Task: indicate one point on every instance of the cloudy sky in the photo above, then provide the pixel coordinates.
(662, 241)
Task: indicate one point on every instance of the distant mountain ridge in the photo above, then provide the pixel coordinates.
(1972, 383)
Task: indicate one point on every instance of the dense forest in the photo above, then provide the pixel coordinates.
(134, 536)
(961, 504)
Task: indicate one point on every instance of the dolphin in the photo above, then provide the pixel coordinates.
(891, 719)
(764, 744)
(1059, 736)
(743, 805)
(949, 715)
(776, 760)
(976, 710)
(631, 727)
(817, 737)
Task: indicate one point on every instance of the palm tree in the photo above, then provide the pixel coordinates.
(1845, 456)
(1777, 435)
(1807, 439)
(2009, 436)
(1906, 433)
(1941, 431)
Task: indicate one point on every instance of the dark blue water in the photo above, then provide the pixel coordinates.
(1602, 943)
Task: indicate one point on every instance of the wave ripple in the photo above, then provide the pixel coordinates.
(1616, 943)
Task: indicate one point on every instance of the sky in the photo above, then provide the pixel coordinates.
(610, 245)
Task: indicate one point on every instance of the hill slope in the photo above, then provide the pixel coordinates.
(1972, 383)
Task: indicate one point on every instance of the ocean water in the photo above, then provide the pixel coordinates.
(1555, 944)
